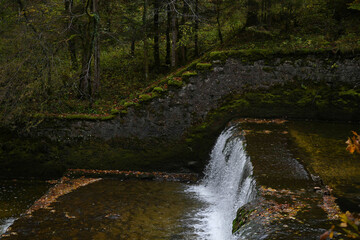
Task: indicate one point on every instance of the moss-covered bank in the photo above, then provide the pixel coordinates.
(305, 100)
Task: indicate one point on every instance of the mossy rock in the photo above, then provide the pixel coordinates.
(129, 104)
(174, 82)
(145, 97)
(241, 219)
(203, 66)
(158, 90)
(85, 117)
(188, 74)
(114, 111)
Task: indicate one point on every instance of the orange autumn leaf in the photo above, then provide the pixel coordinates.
(353, 143)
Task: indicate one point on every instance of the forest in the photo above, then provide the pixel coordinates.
(90, 56)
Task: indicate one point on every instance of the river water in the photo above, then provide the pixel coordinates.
(244, 157)
(16, 197)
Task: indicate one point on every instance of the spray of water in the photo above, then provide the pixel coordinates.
(227, 185)
(5, 224)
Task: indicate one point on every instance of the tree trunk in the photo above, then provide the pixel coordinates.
(218, 7)
(71, 42)
(156, 35)
(268, 13)
(196, 29)
(174, 35)
(182, 47)
(132, 48)
(96, 81)
(88, 32)
(168, 41)
(253, 9)
(146, 58)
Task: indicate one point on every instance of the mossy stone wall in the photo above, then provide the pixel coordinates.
(257, 88)
(180, 125)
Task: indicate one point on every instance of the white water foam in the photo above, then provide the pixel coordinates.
(227, 185)
(5, 224)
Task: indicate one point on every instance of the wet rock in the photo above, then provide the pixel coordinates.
(242, 217)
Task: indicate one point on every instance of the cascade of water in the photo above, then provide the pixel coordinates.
(227, 185)
(5, 224)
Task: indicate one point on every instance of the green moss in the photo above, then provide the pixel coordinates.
(175, 82)
(352, 93)
(189, 73)
(158, 90)
(245, 55)
(145, 97)
(255, 54)
(192, 65)
(91, 117)
(114, 111)
(241, 219)
(203, 66)
(316, 101)
(129, 104)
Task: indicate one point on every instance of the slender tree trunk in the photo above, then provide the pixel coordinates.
(174, 35)
(218, 7)
(96, 81)
(196, 29)
(146, 58)
(156, 35)
(168, 41)
(253, 9)
(132, 48)
(268, 13)
(182, 47)
(87, 54)
(71, 42)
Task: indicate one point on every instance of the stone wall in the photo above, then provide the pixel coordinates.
(169, 116)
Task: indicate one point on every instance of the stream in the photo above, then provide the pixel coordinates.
(247, 158)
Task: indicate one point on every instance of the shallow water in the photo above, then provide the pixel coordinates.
(16, 197)
(114, 209)
(321, 148)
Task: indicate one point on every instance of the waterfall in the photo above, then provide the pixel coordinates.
(227, 185)
(5, 224)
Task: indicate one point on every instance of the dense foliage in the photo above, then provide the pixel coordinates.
(87, 56)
